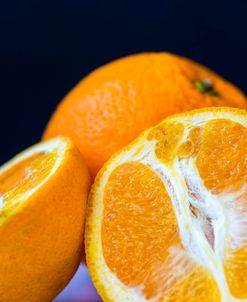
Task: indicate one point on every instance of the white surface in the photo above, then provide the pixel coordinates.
(80, 289)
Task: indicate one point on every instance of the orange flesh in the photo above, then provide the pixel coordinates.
(141, 242)
(167, 139)
(140, 231)
(25, 175)
(222, 159)
(222, 164)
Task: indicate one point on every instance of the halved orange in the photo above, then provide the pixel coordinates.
(167, 215)
(43, 193)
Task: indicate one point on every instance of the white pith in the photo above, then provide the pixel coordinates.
(226, 219)
(57, 145)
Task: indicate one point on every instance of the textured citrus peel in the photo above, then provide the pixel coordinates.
(114, 104)
(206, 242)
(26, 173)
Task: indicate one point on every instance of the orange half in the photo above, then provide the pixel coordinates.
(43, 193)
(167, 215)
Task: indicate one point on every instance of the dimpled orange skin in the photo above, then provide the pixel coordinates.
(112, 105)
(41, 246)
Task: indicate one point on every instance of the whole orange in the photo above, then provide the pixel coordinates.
(112, 105)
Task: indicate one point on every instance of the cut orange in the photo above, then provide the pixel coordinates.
(167, 215)
(43, 194)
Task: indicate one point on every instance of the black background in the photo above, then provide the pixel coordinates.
(47, 47)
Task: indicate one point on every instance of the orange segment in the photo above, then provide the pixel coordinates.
(167, 139)
(235, 269)
(222, 160)
(198, 286)
(136, 216)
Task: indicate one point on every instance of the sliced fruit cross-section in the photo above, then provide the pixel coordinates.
(43, 193)
(167, 214)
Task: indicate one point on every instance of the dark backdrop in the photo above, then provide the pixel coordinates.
(47, 47)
